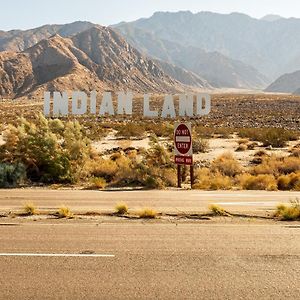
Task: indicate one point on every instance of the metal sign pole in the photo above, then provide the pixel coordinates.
(179, 176)
(192, 175)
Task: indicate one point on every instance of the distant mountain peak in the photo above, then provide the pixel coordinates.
(271, 18)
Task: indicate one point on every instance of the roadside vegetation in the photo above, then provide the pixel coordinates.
(147, 213)
(29, 209)
(64, 212)
(217, 210)
(121, 208)
(51, 151)
(288, 212)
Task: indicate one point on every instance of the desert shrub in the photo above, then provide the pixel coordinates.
(241, 148)
(217, 210)
(259, 182)
(164, 129)
(289, 165)
(147, 213)
(47, 156)
(252, 145)
(275, 137)
(64, 212)
(157, 155)
(57, 126)
(99, 183)
(169, 177)
(121, 208)
(206, 180)
(209, 132)
(103, 168)
(29, 209)
(227, 165)
(295, 152)
(288, 212)
(277, 165)
(289, 182)
(11, 175)
(131, 130)
(261, 153)
(268, 165)
(200, 145)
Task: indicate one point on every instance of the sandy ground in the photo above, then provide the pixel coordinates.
(217, 146)
(112, 142)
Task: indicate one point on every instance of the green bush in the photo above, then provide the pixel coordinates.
(11, 175)
(275, 137)
(48, 152)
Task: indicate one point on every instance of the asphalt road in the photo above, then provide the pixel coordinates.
(163, 201)
(149, 260)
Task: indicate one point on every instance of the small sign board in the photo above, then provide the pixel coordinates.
(183, 144)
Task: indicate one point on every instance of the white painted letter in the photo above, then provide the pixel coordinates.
(79, 97)
(60, 103)
(202, 111)
(125, 103)
(106, 105)
(93, 102)
(168, 107)
(186, 105)
(147, 111)
(46, 104)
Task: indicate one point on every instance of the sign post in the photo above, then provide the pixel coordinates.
(183, 149)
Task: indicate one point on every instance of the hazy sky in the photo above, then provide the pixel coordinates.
(23, 14)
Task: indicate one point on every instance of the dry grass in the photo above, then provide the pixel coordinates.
(289, 182)
(99, 183)
(277, 165)
(147, 213)
(217, 210)
(29, 209)
(275, 137)
(289, 212)
(227, 165)
(64, 212)
(206, 180)
(131, 130)
(260, 182)
(121, 208)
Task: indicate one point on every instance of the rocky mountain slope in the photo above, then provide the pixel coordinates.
(97, 58)
(19, 40)
(267, 46)
(287, 83)
(182, 75)
(219, 70)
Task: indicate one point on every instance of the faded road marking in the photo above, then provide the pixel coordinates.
(56, 255)
(248, 203)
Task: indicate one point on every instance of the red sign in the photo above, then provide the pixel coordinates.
(183, 139)
(183, 144)
(184, 160)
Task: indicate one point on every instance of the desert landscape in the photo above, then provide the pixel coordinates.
(93, 201)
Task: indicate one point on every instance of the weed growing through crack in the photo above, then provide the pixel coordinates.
(29, 209)
(148, 213)
(217, 210)
(64, 212)
(121, 208)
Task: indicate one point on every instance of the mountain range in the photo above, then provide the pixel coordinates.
(163, 53)
(95, 59)
(270, 47)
